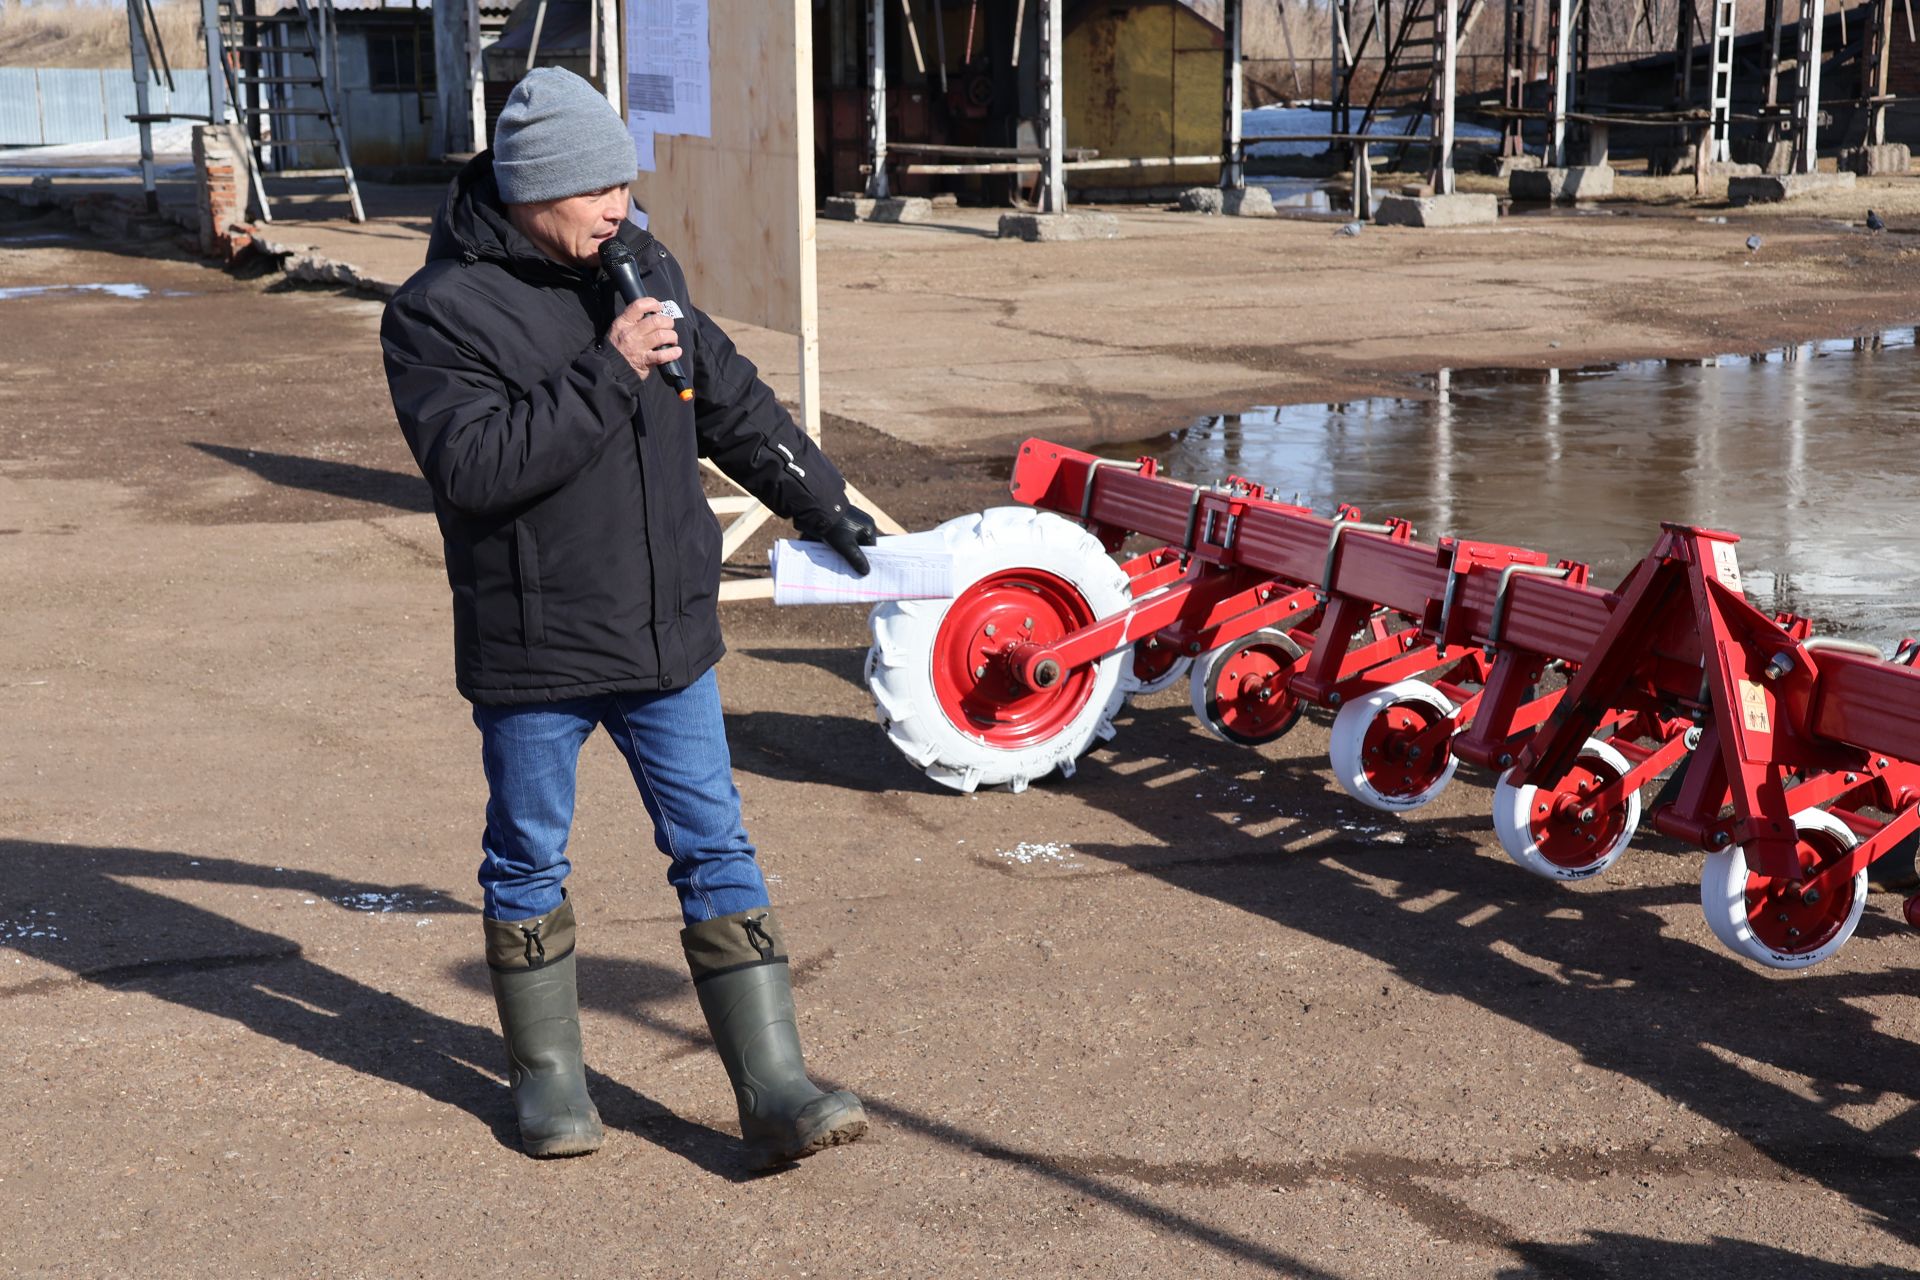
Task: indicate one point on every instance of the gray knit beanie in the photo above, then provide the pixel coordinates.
(558, 136)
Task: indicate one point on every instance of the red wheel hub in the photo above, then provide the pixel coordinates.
(1566, 828)
(1779, 910)
(973, 675)
(1406, 749)
(1250, 694)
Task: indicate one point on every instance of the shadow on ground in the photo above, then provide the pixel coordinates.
(334, 479)
(79, 909)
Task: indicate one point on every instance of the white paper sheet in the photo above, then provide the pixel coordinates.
(669, 72)
(913, 566)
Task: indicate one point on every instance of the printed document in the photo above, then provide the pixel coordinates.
(912, 566)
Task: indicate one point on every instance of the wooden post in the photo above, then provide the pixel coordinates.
(1233, 174)
(737, 209)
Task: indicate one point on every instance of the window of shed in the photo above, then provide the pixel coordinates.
(397, 62)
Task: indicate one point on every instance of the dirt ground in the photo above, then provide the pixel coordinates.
(1192, 1013)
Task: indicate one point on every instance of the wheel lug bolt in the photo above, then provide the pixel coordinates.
(1810, 897)
(990, 630)
(1026, 624)
(980, 672)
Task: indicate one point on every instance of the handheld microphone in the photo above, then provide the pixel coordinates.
(619, 262)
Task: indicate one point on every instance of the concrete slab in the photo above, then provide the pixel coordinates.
(1557, 186)
(1773, 188)
(1458, 210)
(1243, 202)
(1051, 227)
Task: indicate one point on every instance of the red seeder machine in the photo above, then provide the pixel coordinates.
(1794, 761)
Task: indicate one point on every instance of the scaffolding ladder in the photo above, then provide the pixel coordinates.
(270, 56)
(1720, 99)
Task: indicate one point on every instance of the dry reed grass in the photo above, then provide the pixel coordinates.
(93, 35)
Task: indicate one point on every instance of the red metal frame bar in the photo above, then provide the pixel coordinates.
(1676, 646)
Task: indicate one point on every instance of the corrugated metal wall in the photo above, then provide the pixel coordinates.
(48, 106)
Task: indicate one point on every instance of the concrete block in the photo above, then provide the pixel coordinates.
(1247, 202)
(1732, 169)
(1202, 200)
(1577, 182)
(1459, 210)
(1047, 227)
(1772, 157)
(903, 209)
(1890, 157)
(945, 200)
(1506, 166)
(1773, 188)
(848, 208)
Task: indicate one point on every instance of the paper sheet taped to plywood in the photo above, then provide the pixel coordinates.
(669, 73)
(914, 566)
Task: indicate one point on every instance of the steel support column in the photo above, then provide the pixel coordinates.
(216, 62)
(142, 97)
(1232, 164)
(1806, 78)
(1053, 126)
(1560, 38)
(877, 98)
(1513, 91)
(1446, 48)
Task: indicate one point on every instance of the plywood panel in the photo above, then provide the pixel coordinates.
(737, 208)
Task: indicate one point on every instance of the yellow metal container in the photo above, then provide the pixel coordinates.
(1144, 79)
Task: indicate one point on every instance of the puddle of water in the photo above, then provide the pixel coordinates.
(39, 290)
(1805, 452)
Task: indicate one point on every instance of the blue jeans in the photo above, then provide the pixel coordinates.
(676, 745)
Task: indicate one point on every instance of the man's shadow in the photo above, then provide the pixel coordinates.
(80, 909)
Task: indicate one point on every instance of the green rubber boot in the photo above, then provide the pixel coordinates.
(740, 972)
(531, 963)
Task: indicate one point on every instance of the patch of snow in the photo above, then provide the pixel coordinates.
(1028, 853)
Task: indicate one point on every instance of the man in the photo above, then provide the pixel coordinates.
(585, 566)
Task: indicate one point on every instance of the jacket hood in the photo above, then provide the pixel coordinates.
(472, 224)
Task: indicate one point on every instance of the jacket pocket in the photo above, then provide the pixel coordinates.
(526, 547)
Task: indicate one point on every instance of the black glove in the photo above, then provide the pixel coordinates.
(846, 530)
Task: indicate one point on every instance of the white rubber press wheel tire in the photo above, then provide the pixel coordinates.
(1763, 919)
(1549, 832)
(938, 669)
(1369, 747)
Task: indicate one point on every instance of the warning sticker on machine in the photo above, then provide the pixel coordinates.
(1753, 707)
(1726, 566)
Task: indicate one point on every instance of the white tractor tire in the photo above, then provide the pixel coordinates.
(945, 698)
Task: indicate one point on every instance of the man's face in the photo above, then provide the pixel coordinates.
(571, 228)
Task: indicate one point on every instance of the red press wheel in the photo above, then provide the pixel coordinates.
(1771, 920)
(1240, 691)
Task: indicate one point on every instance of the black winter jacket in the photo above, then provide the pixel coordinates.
(582, 554)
